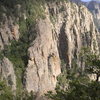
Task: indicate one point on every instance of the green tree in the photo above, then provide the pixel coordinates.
(79, 86)
(92, 62)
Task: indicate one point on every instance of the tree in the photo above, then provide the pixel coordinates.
(79, 86)
(92, 62)
(78, 89)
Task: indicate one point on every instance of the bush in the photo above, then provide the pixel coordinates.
(7, 94)
(78, 86)
(5, 91)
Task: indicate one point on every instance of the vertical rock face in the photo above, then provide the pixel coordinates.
(8, 31)
(94, 7)
(44, 62)
(60, 36)
(7, 72)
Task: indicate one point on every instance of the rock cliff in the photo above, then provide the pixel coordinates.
(94, 7)
(8, 30)
(60, 37)
(65, 29)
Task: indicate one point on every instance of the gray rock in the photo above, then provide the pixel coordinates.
(7, 73)
(60, 36)
(8, 31)
(94, 7)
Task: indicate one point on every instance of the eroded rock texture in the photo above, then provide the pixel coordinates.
(7, 72)
(60, 36)
(8, 31)
(94, 7)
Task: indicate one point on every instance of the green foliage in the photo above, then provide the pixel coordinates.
(17, 50)
(17, 54)
(1, 55)
(5, 91)
(62, 9)
(76, 86)
(77, 90)
(7, 94)
(2, 10)
(24, 95)
(92, 62)
(33, 9)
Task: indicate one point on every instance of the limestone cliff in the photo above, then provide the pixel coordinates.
(60, 36)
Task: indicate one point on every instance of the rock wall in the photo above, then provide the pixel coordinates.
(44, 62)
(8, 31)
(60, 36)
(94, 7)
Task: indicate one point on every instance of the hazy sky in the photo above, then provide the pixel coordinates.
(89, 0)
(86, 0)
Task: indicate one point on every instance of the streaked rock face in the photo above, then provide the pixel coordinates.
(44, 62)
(60, 36)
(94, 7)
(8, 31)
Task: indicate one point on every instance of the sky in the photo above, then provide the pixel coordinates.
(89, 0)
(86, 0)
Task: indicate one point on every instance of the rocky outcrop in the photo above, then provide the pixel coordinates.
(60, 36)
(94, 7)
(7, 73)
(8, 30)
(44, 62)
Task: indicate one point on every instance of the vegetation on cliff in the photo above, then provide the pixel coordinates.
(17, 50)
(7, 94)
(75, 83)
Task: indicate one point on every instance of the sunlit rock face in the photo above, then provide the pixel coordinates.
(94, 7)
(60, 36)
(44, 62)
(8, 31)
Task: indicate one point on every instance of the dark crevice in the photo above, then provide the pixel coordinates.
(1, 38)
(63, 44)
(86, 40)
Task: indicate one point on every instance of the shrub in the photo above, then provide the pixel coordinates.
(5, 91)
